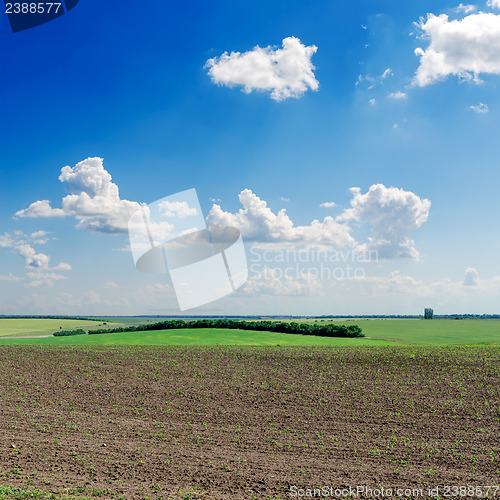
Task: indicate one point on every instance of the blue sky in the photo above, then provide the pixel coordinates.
(348, 103)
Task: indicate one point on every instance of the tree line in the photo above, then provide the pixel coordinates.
(46, 316)
(328, 330)
(67, 333)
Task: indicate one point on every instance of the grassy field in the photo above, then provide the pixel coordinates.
(430, 332)
(39, 327)
(377, 331)
(198, 336)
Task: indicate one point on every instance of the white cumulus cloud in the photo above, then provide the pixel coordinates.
(32, 258)
(398, 95)
(327, 204)
(37, 264)
(40, 208)
(6, 240)
(493, 3)
(257, 222)
(464, 47)
(10, 277)
(94, 199)
(274, 282)
(471, 277)
(481, 108)
(43, 279)
(286, 72)
(39, 234)
(38, 261)
(392, 214)
(180, 209)
(388, 72)
(467, 8)
(373, 81)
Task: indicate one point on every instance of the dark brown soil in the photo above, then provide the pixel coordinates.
(251, 422)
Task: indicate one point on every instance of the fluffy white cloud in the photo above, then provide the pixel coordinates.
(464, 47)
(274, 282)
(6, 240)
(40, 208)
(62, 266)
(286, 72)
(493, 3)
(392, 214)
(90, 302)
(481, 108)
(445, 294)
(38, 264)
(180, 209)
(39, 234)
(373, 81)
(32, 258)
(39, 237)
(38, 261)
(471, 277)
(10, 240)
(94, 199)
(465, 8)
(398, 95)
(395, 283)
(388, 72)
(257, 222)
(43, 279)
(10, 277)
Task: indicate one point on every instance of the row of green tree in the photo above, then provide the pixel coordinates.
(46, 316)
(328, 330)
(67, 333)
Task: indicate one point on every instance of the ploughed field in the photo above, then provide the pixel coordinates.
(245, 422)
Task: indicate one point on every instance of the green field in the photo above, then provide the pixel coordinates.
(39, 327)
(430, 332)
(377, 331)
(195, 336)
